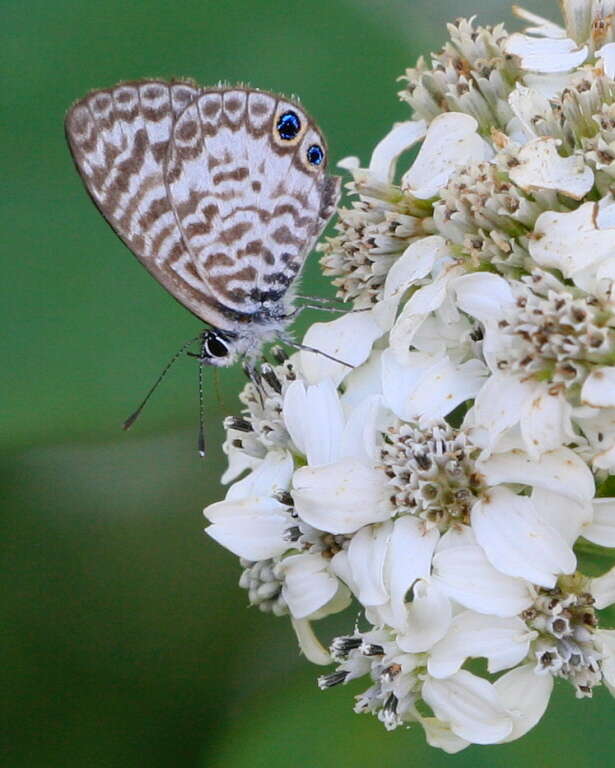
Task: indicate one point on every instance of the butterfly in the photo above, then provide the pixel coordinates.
(220, 193)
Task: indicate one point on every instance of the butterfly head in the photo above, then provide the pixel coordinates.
(219, 348)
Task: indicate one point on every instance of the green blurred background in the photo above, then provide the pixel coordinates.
(125, 639)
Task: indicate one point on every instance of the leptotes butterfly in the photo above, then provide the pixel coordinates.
(219, 192)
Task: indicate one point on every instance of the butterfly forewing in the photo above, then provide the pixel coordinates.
(119, 140)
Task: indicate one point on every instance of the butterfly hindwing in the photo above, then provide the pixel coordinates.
(249, 205)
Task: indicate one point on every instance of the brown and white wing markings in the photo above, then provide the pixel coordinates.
(119, 140)
(249, 205)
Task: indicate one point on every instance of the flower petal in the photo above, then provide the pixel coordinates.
(315, 420)
(444, 386)
(603, 589)
(498, 404)
(309, 643)
(358, 439)
(402, 137)
(366, 554)
(414, 264)
(540, 166)
(253, 528)
(526, 696)
(238, 459)
(348, 338)
(545, 421)
(429, 617)
(410, 553)
(531, 108)
(606, 55)
(598, 391)
(545, 54)
(399, 379)
(340, 497)
(471, 705)
(463, 572)
(503, 641)
(570, 241)
(517, 542)
(271, 475)
(561, 471)
(567, 516)
(439, 734)
(308, 583)
(483, 295)
(601, 530)
(452, 140)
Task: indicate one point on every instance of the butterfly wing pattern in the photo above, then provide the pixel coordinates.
(220, 193)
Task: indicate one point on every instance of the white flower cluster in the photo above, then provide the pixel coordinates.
(455, 481)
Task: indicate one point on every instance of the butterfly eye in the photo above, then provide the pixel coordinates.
(215, 347)
(288, 125)
(315, 155)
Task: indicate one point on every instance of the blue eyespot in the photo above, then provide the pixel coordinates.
(288, 126)
(315, 155)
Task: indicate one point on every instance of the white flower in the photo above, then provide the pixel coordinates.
(251, 522)
(598, 390)
(525, 695)
(348, 339)
(504, 642)
(401, 138)
(382, 563)
(471, 707)
(379, 225)
(603, 589)
(546, 54)
(462, 571)
(442, 458)
(424, 372)
(598, 427)
(571, 242)
(427, 387)
(532, 110)
(510, 530)
(601, 529)
(310, 589)
(451, 140)
(541, 167)
(606, 55)
(339, 490)
(540, 346)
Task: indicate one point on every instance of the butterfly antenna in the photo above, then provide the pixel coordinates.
(201, 441)
(134, 416)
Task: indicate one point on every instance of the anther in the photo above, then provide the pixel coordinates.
(284, 497)
(268, 374)
(238, 424)
(335, 678)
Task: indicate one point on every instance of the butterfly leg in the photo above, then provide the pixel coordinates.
(317, 302)
(288, 339)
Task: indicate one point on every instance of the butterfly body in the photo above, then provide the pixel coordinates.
(219, 192)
